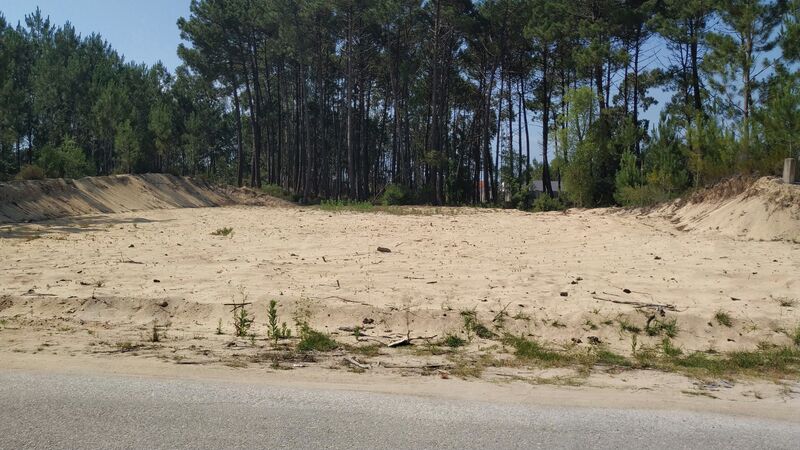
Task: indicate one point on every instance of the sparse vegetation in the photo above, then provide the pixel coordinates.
(723, 318)
(242, 320)
(219, 327)
(668, 327)
(626, 326)
(786, 302)
(453, 341)
(312, 340)
(276, 332)
(473, 327)
(227, 231)
(344, 206)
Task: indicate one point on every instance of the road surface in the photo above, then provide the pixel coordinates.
(109, 411)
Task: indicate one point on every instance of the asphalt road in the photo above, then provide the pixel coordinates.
(102, 411)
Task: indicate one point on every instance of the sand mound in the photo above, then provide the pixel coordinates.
(763, 209)
(24, 201)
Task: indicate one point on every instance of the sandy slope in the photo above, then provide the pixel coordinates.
(764, 209)
(26, 201)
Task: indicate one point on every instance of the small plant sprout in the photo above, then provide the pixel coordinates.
(227, 231)
(723, 318)
(156, 337)
(219, 327)
(274, 331)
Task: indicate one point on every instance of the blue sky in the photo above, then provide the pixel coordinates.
(142, 30)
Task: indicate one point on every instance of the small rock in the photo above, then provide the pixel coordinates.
(658, 258)
(384, 250)
(131, 246)
(368, 321)
(627, 291)
(163, 304)
(565, 294)
(594, 340)
(156, 281)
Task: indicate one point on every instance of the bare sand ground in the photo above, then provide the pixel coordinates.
(95, 286)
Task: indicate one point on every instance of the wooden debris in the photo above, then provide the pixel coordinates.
(638, 304)
(353, 362)
(400, 343)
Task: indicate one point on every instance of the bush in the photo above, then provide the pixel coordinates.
(638, 196)
(395, 195)
(546, 203)
(66, 161)
(31, 172)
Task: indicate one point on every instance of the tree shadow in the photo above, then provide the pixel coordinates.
(69, 225)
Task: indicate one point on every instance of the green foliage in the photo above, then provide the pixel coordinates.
(31, 172)
(65, 161)
(242, 321)
(395, 194)
(274, 331)
(344, 205)
(545, 203)
(473, 327)
(226, 231)
(723, 318)
(312, 340)
(453, 341)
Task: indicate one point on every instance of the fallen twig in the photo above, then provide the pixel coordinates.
(638, 304)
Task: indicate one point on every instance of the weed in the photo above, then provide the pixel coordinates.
(669, 349)
(312, 340)
(242, 321)
(796, 336)
(590, 324)
(276, 332)
(227, 231)
(723, 318)
(366, 350)
(219, 327)
(607, 357)
(667, 327)
(125, 347)
(786, 302)
(532, 350)
(625, 325)
(522, 316)
(473, 326)
(453, 341)
(557, 324)
(155, 337)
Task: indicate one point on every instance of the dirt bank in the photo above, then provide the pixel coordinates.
(29, 201)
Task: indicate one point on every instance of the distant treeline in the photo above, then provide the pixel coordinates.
(439, 101)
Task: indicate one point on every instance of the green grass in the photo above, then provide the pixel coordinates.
(723, 318)
(533, 351)
(768, 361)
(796, 336)
(315, 341)
(345, 206)
(227, 231)
(667, 327)
(453, 341)
(276, 191)
(627, 326)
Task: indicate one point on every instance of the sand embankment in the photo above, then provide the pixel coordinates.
(764, 209)
(30, 201)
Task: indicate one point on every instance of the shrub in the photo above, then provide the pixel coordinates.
(312, 340)
(394, 195)
(31, 172)
(227, 231)
(546, 203)
(66, 161)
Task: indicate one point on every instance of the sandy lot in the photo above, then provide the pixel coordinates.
(95, 286)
